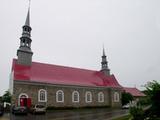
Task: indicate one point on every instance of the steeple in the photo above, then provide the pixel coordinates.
(27, 23)
(24, 52)
(104, 64)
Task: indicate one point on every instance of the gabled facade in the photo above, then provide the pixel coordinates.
(60, 86)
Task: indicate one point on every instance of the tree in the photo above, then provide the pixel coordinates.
(153, 91)
(6, 97)
(126, 98)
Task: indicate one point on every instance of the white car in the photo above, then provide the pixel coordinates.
(126, 106)
(38, 108)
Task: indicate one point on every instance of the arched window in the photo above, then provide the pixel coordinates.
(42, 95)
(75, 96)
(88, 96)
(116, 97)
(59, 96)
(100, 97)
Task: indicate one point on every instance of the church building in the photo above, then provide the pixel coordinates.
(60, 86)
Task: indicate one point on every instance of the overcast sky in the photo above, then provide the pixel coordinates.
(72, 33)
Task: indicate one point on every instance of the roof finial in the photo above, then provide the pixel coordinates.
(28, 15)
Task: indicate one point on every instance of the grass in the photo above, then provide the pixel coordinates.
(123, 118)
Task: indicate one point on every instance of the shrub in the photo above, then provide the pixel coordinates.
(137, 113)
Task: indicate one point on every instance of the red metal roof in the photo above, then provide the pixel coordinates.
(54, 74)
(134, 92)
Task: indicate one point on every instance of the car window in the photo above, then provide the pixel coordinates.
(40, 106)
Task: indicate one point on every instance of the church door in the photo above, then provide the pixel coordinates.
(24, 100)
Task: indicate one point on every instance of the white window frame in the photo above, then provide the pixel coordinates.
(73, 95)
(100, 97)
(59, 91)
(45, 95)
(116, 97)
(86, 97)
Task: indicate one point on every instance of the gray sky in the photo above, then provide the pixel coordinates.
(72, 32)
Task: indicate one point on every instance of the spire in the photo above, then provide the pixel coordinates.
(27, 23)
(104, 64)
(104, 51)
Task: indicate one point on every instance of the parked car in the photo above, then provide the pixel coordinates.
(1, 110)
(126, 106)
(19, 110)
(38, 108)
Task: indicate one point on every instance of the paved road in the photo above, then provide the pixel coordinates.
(6, 116)
(82, 114)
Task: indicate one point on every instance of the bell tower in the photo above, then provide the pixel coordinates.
(24, 53)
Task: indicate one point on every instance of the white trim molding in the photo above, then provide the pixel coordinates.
(88, 97)
(59, 96)
(42, 95)
(100, 97)
(22, 95)
(116, 97)
(75, 96)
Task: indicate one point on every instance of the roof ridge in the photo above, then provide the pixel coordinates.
(64, 66)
